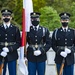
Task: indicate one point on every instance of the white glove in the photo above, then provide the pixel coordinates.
(63, 54)
(67, 50)
(3, 54)
(5, 49)
(25, 59)
(37, 52)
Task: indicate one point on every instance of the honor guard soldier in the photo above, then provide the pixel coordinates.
(63, 42)
(9, 42)
(39, 43)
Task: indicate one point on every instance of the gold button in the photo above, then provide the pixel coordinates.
(65, 39)
(6, 44)
(36, 39)
(6, 38)
(65, 42)
(5, 34)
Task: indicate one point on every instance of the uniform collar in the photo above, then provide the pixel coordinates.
(36, 27)
(6, 24)
(65, 28)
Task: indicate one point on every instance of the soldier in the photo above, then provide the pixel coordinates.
(9, 42)
(39, 43)
(63, 42)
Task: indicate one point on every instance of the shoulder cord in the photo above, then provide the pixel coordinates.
(56, 34)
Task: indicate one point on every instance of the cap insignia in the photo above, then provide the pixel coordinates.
(65, 14)
(6, 10)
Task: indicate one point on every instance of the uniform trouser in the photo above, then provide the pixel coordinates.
(68, 70)
(38, 67)
(11, 68)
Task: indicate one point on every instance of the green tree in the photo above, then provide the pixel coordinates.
(18, 12)
(72, 11)
(8, 3)
(60, 5)
(49, 18)
(37, 4)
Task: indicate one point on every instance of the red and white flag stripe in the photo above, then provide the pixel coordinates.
(26, 23)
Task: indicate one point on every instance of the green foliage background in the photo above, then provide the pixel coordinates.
(49, 9)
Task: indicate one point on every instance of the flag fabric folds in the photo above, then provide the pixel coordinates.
(28, 8)
(26, 22)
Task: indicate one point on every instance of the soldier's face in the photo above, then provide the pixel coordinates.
(6, 18)
(64, 22)
(35, 21)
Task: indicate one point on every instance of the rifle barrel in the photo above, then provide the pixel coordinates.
(62, 66)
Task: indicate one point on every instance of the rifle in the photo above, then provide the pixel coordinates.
(1, 66)
(62, 66)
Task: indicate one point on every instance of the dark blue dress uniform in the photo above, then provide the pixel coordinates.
(60, 39)
(9, 38)
(37, 40)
